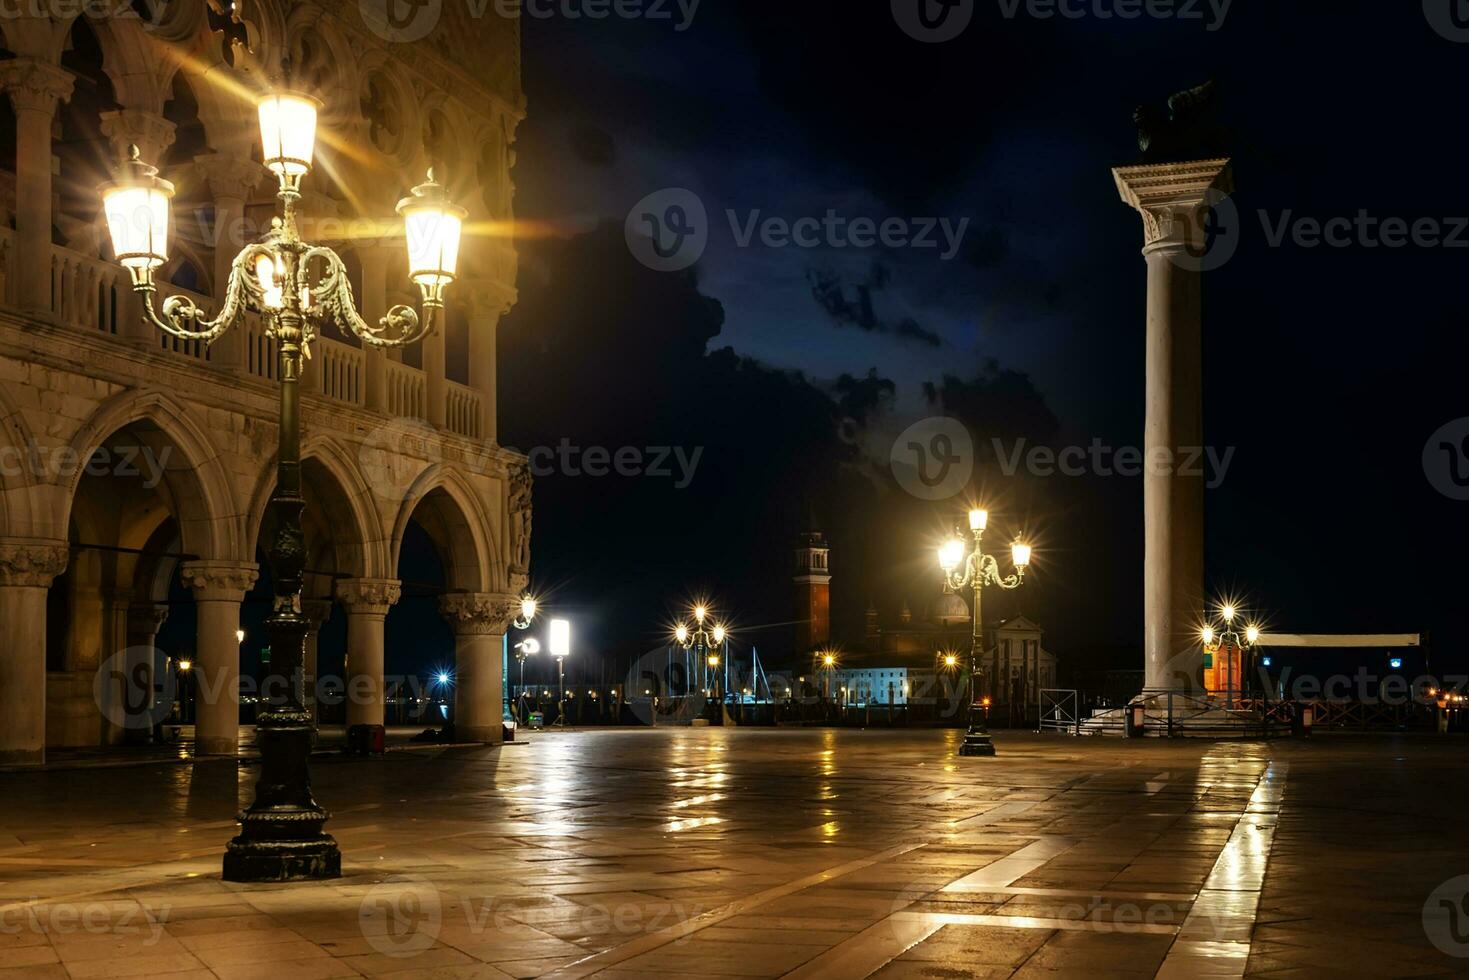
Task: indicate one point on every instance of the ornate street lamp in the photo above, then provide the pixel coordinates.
(296, 286)
(979, 570)
(707, 641)
(1226, 642)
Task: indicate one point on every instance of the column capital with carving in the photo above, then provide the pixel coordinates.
(147, 617)
(149, 131)
(31, 562)
(479, 613)
(316, 612)
(369, 596)
(35, 85)
(486, 298)
(218, 581)
(1172, 197)
(228, 175)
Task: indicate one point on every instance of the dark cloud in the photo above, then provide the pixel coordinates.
(852, 304)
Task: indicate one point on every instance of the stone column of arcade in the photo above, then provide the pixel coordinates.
(231, 178)
(219, 587)
(27, 568)
(479, 621)
(317, 612)
(367, 601)
(1174, 200)
(34, 88)
(144, 620)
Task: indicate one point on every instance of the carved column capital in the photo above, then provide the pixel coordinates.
(369, 596)
(35, 85)
(149, 131)
(218, 581)
(485, 297)
(31, 562)
(481, 613)
(228, 175)
(1173, 197)
(147, 617)
(316, 612)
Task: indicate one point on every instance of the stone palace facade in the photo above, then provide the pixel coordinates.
(130, 463)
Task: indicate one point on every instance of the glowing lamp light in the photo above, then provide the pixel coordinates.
(719, 634)
(951, 554)
(443, 678)
(527, 609)
(1396, 663)
(1020, 555)
(137, 209)
(433, 225)
(699, 613)
(239, 636)
(530, 646)
(1208, 634)
(682, 634)
(829, 660)
(560, 638)
(1266, 661)
(951, 661)
(713, 660)
(269, 272)
(1252, 635)
(979, 519)
(186, 665)
(288, 133)
(1228, 613)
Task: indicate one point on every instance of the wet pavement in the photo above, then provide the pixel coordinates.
(764, 853)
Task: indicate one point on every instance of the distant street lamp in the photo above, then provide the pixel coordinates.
(979, 570)
(560, 638)
(1224, 641)
(298, 288)
(706, 640)
(528, 647)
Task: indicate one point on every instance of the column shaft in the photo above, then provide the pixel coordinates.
(27, 569)
(34, 87)
(367, 602)
(219, 587)
(479, 692)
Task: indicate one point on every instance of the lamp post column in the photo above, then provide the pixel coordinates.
(479, 621)
(1173, 200)
(977, 739)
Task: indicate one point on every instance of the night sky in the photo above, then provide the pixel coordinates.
(791, 370)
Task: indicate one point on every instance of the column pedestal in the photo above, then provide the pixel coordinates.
(27, 569)
(1174, 200)
(219, 588)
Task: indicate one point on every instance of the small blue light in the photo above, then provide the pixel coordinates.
(443, 678)
(1266, 661)
(1396, 663)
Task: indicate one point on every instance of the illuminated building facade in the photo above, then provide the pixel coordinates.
(131, 464)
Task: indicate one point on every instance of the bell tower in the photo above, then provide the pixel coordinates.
(812, 582)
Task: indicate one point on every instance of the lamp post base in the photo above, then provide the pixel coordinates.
(977, 739)
(282, 860)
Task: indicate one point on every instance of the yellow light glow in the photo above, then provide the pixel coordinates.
(950, 660)
(699, 613)
(979, 519)
(288, 133)
(951, 554)
(560, 638)
(186, 665)
(828, 660)
(1252, 635)
(1228, 613)
(268, 271)
(1208, 634)
(1020, 554)
(713, 660)
(527, 609)
(719, 634)
(137, 218)
(682, 634)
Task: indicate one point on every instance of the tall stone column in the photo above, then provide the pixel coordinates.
(368, 601)
(141, 625)
(479, 621)
(435, 374)
(231, 178)
(27, 568)
(219, 588)
(487, 303)
(1174, 200)
(317, 612)
(374, 260)
(34, 88)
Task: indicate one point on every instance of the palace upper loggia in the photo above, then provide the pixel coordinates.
(135, 469)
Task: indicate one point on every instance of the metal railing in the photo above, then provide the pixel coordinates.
(1059, 711)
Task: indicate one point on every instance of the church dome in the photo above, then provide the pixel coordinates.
(949, 610)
